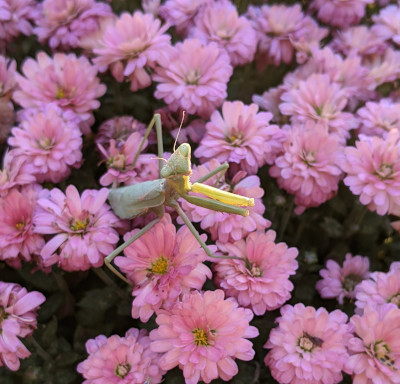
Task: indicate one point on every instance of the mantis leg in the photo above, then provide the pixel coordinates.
(221, 170)
(108, 260)
(196, 234)
(156, 120)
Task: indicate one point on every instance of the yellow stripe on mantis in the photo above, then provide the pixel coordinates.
(223, 196)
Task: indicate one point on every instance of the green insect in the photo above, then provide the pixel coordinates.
(174, 183)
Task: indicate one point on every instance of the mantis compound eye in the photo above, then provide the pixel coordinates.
(184, 149)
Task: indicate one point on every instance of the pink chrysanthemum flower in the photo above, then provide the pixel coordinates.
(275, 26)
(7, 86)
(119, 158)
(375, 349)
(121, 360)
(379, 118)
(84, 228)
(308, 346)
(192, 129)
(270, 101)
(70, 82)
(359, 40)
(307, 39)
(340, 13)
(162, 264)
(308, 166)
(64, 22)
(7, 76)
(151, 6)
(182, 13)
(320, 100)
(18, 309)
(387, 23)
(373, 171)
(383, 68)
(119, 129)
(241, 135)
(18, 241)
(349, 72)
(14, 173)
(340, 282)
(16, 17)
(379, 289)
(132, 47)
(194, 78)
(221, 23)
(50, 144)
(203, 334)
(261, 282)
(224, 226)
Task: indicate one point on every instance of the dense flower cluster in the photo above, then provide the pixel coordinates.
(261, 282)
(203, 334)
(340, 282)
(131, 47)
(316, 153)
(18, 309)
(194, 77)
(84, 228)
(241, 135)
(162, 264)
(63, 23)
(117, 360)
(70, 82)
(308, 345)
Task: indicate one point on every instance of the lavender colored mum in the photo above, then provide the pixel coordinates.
(84, 228)
(67, 80)
(18, 311)
(62, 23)
(194, 77)
(241, 135)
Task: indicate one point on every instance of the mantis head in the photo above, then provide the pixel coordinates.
(179, 163)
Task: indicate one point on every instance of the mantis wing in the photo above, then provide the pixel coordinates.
(133, 200)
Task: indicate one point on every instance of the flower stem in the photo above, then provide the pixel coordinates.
(40, 351)
(286, 218)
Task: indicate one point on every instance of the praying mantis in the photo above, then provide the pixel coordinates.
(131, 201)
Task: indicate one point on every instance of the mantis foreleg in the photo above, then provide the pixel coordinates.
(196, 234)
(221, 170)
(108, 260)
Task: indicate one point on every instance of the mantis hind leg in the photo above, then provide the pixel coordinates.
(156, 120)
(221, 170)
(108, 260)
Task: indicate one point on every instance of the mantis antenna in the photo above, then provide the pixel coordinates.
(179, 130)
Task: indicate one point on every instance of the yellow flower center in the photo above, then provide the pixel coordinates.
(395, 299)
(192, 77)
(307, 342)
(200, 337)
(3, 315)
(46, 143)
(350, 282)
(381, 351)
(122, 370)
(235, 139)
(385, 171)
(160, 266)
(79, 225)
(256, 271)
(20, 226)
(308, 157)
(60, 93)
